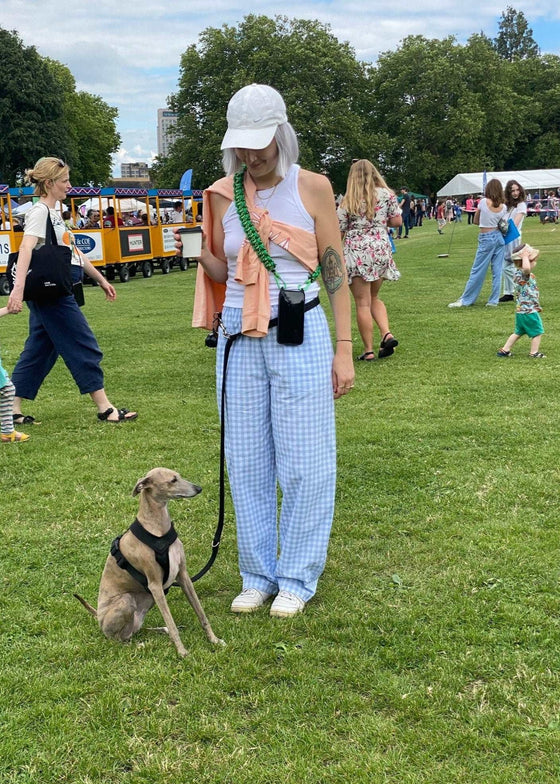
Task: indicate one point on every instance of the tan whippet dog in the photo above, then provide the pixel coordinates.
(123, 600)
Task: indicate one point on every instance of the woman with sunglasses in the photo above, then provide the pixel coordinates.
(58, 328)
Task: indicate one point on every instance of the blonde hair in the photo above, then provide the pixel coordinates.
(45, 169)
(361, 188)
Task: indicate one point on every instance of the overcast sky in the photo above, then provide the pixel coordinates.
(129, 53)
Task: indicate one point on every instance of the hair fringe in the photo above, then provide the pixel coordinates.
(288, 152)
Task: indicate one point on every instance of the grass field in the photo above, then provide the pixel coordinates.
(431, 653)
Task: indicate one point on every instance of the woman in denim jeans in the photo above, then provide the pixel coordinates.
(491, 247)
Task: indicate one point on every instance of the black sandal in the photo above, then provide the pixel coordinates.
(387, 347)
(391, 343)
(122, 416)
(24, 419)
(368, 356)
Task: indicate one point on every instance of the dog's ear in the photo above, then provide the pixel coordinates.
(141, 484)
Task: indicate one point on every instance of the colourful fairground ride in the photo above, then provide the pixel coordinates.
(134, 230)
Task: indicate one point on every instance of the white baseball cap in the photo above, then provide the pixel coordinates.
(253, 115)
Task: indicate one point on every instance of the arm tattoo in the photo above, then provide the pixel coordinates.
(332, 270)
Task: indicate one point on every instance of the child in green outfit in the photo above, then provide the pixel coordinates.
(527, 313)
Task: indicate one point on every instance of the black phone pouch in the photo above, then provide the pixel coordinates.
(291, 313)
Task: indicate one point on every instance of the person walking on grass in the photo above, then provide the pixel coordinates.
(527, 313)
(490, 251)
(366, 209)
(440, 217)
(8, 433)
(60, 327)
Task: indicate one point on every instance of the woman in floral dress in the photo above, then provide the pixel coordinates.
(366, 210)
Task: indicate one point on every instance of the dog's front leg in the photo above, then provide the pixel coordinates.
(188, 589)
(156, 590)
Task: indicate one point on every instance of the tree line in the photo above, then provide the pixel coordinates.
(422, 113)
(42, 113)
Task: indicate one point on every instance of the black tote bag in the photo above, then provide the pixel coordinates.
(50, 272)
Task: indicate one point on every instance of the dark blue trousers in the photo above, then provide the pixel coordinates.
(58, 329)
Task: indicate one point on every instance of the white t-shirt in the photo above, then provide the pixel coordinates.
(519, 209)
(36, 226)
(488, 218)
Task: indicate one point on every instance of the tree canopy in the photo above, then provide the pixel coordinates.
(515, 38)
(423, 112)
(319, 78)
(41, 113)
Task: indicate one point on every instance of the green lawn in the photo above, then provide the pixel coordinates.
(431, 652)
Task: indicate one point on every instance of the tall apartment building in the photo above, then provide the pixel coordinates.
(134, 171)
(166, 135)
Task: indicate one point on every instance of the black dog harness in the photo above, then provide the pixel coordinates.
(159, 544)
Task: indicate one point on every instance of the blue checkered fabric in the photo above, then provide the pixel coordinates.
(280, 432)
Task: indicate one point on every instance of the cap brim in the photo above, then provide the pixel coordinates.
(248, 138)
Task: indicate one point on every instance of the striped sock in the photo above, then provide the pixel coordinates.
(6, 408)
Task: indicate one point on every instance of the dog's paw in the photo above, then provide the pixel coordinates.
(223, 643)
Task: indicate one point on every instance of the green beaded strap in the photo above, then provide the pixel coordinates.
(253, 235)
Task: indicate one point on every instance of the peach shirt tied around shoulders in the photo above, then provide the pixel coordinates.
(250, 271)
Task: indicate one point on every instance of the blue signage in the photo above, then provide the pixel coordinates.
(84, 243)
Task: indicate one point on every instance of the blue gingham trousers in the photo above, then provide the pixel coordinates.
(279, 430)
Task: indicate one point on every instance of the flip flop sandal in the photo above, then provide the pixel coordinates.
(24, 419)
(121, 413)
(385, 351)
(367, 356)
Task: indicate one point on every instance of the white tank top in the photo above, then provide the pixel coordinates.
(284, 204)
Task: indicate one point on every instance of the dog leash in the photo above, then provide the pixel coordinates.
(230, 340)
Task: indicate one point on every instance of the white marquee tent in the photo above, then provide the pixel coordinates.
(532, 180)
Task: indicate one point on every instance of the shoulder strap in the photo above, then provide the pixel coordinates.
(247, 224)
(50, 234)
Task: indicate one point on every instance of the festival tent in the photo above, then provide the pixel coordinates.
(125, 204)
(532, 180)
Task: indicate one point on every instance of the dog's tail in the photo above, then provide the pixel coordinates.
(87, 605)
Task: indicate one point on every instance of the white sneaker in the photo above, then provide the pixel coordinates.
(491, 305)
(249, 600)
(457, 304)
(286, 605)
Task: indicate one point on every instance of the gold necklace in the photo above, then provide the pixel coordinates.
(264, 201)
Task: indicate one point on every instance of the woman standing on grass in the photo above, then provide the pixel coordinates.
(490, 251)
(60, 327)
(279, 411)
(516, 210)
(367, 208)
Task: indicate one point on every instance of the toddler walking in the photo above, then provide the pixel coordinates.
(8, 434)
(527, 313)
